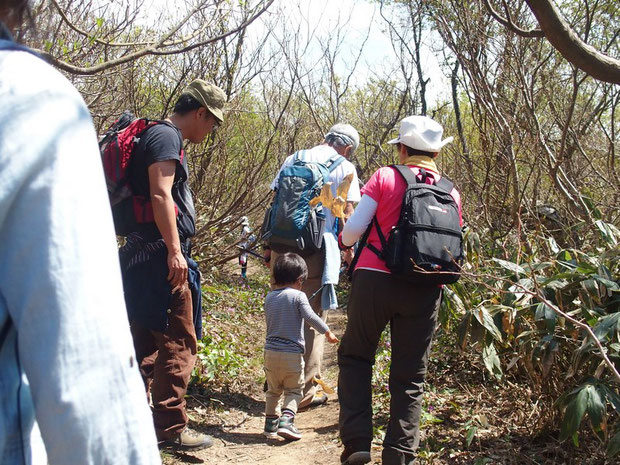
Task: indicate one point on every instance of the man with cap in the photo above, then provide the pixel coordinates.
(342, 139)
(161, 290)
(377, 297)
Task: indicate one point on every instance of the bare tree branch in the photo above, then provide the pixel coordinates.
(567, 42)
(155, 48)
(507, 22)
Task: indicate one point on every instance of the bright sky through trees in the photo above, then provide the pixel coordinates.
(322, 19)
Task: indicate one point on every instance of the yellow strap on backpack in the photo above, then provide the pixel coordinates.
(336, 205)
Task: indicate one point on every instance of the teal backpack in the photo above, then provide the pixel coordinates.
(290, 224)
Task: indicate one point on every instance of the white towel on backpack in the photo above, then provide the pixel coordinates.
(331, 272)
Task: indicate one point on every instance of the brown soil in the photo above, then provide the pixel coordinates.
(511, 427)
(239, 419)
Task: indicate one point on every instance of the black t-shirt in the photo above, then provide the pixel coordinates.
(164, 142)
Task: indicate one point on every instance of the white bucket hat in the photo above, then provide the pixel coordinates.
(421, 133)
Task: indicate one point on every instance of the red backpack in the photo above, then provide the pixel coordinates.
(117, 147)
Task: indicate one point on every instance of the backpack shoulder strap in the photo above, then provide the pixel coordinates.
(360, 246)
(333, 162)
(299, 156)
(149, 123)
(445, 184)
(406, 174)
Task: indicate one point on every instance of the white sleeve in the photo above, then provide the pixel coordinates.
(354, 189)
(359, 220)
(60, 277)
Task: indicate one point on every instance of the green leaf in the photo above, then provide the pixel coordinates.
(486, 320)
(555, 284)
(613, 397)
(99, 22)
(564, 255)
(471, 433)
(453, 298)
(539, 266)
(573, 414)
(609, 284)
(463, 330)
(544, 312)
(586, 268)
(604, 272)
(510, 266)
(520, 290)
(592, 208)
(606, 326)
(591, 287)
(609, 232)
(613, 447)
(596, 407)
(491, 360)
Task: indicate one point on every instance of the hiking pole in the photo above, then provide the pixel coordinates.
(251, 252)
(315, 294)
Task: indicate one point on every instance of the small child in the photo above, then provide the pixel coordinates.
(286, 308)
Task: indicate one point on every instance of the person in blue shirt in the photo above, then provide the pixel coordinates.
(70, 390)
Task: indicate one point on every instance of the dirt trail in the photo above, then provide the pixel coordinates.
(239, 439)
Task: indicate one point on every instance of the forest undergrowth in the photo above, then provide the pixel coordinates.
(470, 416)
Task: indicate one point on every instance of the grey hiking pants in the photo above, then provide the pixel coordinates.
(377, 299)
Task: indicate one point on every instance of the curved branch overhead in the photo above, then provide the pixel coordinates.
(569, 44)
(164, 46)
(507, 22)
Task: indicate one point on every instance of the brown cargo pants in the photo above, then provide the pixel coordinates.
(166, 360)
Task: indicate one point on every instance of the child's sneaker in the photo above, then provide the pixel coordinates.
(287, 429)
(271, 427)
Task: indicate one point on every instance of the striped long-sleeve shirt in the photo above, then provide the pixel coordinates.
(285, 312)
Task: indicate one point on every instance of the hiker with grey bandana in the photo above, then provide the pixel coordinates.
(324, 265)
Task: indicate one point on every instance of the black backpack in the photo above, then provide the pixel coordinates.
(425, 246)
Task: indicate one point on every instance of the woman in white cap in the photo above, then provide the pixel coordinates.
(377, 297)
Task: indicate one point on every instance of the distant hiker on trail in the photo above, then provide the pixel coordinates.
(286, 310)
(389, 287)
(63, 324)
(320, 247)
(162, 283)
(245, 241)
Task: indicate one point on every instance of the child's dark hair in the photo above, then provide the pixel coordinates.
(288, 268)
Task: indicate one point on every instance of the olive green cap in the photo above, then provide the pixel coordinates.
(208, 95)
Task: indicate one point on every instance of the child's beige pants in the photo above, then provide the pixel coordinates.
(285, 375)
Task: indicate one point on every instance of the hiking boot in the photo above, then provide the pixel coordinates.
(188, 439)
(271, 427)
(317, 400)
(350, 456)
(287, 429)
